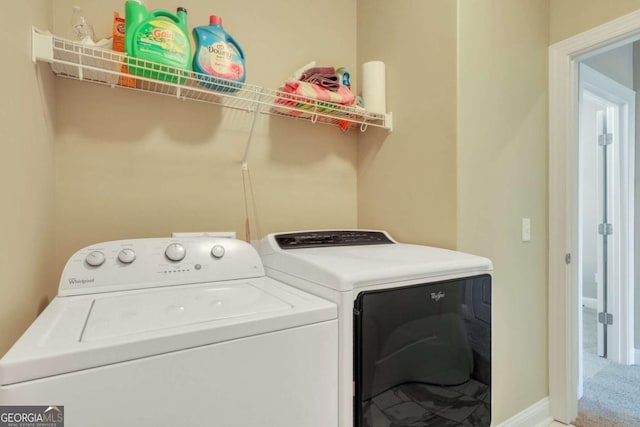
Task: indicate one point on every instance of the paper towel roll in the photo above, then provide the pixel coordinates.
(374, 86)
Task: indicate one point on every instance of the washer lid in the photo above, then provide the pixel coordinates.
(87, 331)
(135, 313)
(347, 267)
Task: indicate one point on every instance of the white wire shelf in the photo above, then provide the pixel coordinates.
(102, 66)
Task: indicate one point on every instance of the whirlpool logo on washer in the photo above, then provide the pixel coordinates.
(32, 416)
(76, 282)
(437, 296)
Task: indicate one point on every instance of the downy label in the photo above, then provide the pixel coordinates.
(218, 59)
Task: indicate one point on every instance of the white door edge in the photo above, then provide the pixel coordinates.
(563, 314)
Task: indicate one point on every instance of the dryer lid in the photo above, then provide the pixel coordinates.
(345, 267)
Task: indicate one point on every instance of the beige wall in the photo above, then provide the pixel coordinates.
(407, 179)
(502, 177)
(26, 175)
(137, 165)
(571, 17)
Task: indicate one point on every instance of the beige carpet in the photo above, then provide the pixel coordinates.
(611, 391)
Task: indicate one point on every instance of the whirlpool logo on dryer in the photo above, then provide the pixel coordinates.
(76, 282)
(437, 296)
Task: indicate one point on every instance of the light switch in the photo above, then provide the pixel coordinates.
(526, 229)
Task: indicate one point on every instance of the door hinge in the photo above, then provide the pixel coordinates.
(605, 139)
(605, 318)
(567, 258)
(605, 229)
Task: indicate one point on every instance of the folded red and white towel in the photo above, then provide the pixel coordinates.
(342, 95)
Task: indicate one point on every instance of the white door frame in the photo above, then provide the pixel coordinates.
(563, 230)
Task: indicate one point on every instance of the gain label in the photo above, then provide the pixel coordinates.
(163, 38)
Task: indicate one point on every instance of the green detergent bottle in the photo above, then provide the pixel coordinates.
(159, 37)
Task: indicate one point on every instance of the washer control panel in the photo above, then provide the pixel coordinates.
(145, 263)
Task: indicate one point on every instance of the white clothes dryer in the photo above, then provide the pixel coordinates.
(177, 332)
(414, 324)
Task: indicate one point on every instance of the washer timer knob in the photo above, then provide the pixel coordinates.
(127, 256)
(175, 252)
(95, 258)
(217, 251)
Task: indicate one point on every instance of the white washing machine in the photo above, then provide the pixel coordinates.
(414, 324)
(177, 332)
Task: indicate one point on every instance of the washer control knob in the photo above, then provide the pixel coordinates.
(217, 251)
(127, 256)
(95, 258)
(175, 252)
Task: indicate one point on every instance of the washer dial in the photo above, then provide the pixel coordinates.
(95, 258)
(127, 256)
(175, 252)
(217, 251)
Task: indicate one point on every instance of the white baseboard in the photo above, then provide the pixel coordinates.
(536, 415)
(591, 303)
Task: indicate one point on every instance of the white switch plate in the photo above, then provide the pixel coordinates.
(526, 229)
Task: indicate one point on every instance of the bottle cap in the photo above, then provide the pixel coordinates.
(182, 9)
(215, 20)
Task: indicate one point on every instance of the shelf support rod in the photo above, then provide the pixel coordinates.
(249, 139)
(80, 66)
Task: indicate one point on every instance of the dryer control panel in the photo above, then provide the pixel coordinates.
(325, 238)
(146, 263)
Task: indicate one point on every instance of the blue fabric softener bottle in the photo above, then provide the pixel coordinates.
(218, 57)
